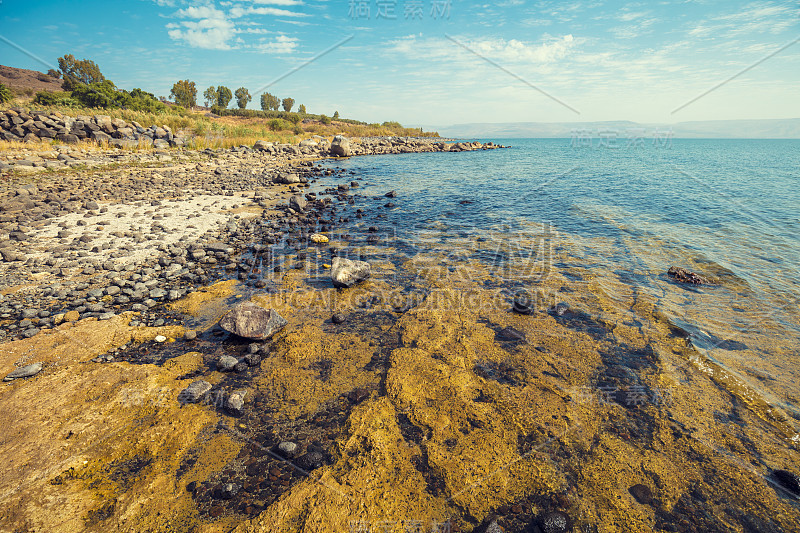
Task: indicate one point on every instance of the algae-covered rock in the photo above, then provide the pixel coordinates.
(252, 322)
(346, 272)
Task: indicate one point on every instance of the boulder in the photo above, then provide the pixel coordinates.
(287, 179)
(298, 203)
(262, 145)
(346, 272)
(340, 147)
(252, 322)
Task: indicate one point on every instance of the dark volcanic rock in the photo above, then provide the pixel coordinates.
(252, 322)
(684, 276)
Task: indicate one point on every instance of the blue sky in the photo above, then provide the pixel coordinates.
(438, 62)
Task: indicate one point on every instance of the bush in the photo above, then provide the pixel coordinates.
(5, 94)
(295, 119)
(325, 119)
(60, 98)
(297, 130)
(276, 124)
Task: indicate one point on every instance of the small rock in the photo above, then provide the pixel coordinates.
(190, 335)
(346, 273)
(229, 490)
(24, 372)
(684, 276)
(194, 392)
(252, 359)
(642, 494)
(253, 347)
(287, 449)
(226, 363)
(319, 238)
(390, 194)
(252, 322)
(560, 309)
(160, 338)
(522, 304)
(310, 461)
(555, 522)
(338, 318)
(235, 402)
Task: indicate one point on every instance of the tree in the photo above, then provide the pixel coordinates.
(224, 96)
(270, 101)
(77, 72)
(287, 104)
(301, 109)
(210, 96)
(242, 97)
(335, 115)
(184, 93)
(53, 73)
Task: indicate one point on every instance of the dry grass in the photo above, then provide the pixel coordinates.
(219, 132)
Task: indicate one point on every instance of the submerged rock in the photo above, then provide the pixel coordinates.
(235, 402)
(685, 276)
(788, 480)
(555, 522)
(24, 372)
(522, 304)
(226, 363)
(194, 392)
(252, 322)
(319, 238)
(346, 273)
(642, 494)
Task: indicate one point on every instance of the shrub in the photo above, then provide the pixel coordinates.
(61, 99)
(325, 119)
(301, 109)
(276, 124)
(297, 130)
(5, 94)
(53, 73)
(78, 72)
(294, 118)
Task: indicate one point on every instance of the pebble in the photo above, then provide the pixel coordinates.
(160, 338)
(522, 304)
(190, 335)
(338, 318)
(235, 402)
(252, 359)
(24, 372)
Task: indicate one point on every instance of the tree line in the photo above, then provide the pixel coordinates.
(184, 92)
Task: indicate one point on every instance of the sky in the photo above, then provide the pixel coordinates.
(438, 62)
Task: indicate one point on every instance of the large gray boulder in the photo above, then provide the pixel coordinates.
(252, 322)
(346, 273)
(287, 178)
(340, 146)
(298, 203)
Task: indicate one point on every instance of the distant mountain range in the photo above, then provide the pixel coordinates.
(788, 128)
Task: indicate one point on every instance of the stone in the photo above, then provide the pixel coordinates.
(298, 203)
(226, 363)
(319, 238)
(522, 304)
(684, 276)
(642, 494)
(338, 318)
(555, 522)
(71, 316)
(252, 322)
(788, 480)
(160, 338)
(235, 402)
(287, 449)
(390, 194)
(24, 372)
(288, 179)
(252, 359)
(340, 147)
(310, 461)
(194, 392)
(229, 490)
(190, 335)
(346, 272)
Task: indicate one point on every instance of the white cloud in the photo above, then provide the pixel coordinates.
(281, 45)
(239, 11)
(213, 30)
(511, 51)
(278, 2)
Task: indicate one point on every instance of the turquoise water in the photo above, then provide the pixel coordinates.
(615, 220)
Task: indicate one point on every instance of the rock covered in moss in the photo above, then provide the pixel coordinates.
(346, 272)
(252, 322)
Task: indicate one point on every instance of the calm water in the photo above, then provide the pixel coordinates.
(615, 220)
